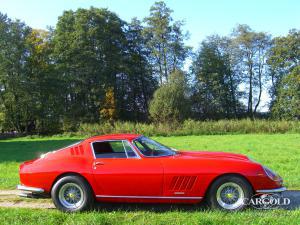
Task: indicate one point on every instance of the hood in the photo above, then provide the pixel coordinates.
(212, 155)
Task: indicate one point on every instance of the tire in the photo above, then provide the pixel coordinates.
(72, 194)
(229, 193)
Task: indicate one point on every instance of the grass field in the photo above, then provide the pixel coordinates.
(179, 216)
(280, 152)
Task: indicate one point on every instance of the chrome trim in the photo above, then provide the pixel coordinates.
(30, 189)
(137, 155)
(147, 197)
(272, 190)
(179, 193)
(125, 149)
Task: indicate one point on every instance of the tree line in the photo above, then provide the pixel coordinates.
(94, 66)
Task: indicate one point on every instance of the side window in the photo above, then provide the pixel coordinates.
(109, 149)
(129, 151)
(113, 149)
(117, 146)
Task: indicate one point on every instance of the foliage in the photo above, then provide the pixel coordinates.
(170, 102)
(15, 99)
(287, 103)
(215, 93)
(95, 67)
(192, 127)
(250, 51)
(284, 56)
(136, 89)
(165, 41)
(108, 111)
(86, 45)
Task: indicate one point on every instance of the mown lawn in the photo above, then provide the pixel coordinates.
(140, 216)
(280, 152)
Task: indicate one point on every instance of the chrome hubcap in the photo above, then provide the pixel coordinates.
(71, 196)
(230, 196)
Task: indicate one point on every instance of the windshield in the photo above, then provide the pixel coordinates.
(150, 147)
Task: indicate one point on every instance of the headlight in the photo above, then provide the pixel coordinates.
(272, 175)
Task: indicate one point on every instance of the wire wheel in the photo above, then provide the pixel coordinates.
(230, 196)
(71, 196)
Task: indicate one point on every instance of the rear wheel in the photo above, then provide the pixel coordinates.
(229, 193)
(72, 194)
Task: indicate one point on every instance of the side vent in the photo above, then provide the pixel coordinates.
(77, 150)
(182, 183)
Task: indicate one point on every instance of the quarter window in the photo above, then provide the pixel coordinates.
(129, 151)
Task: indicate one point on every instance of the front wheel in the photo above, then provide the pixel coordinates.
(229, 193)
(72, 194)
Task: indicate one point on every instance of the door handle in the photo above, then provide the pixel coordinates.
(98, 163)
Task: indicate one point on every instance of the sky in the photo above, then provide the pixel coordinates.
(202, 17)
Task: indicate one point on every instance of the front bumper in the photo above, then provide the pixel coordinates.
(276, 190)
(31, 192)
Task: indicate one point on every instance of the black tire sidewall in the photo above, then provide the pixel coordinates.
(87, 193)
(242, 182)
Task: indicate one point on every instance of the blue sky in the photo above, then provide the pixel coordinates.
(202, 17)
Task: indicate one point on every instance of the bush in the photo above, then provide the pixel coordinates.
(192, 127)
(170, 102)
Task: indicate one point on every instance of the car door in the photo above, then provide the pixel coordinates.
(120, 171)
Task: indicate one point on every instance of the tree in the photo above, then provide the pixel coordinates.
(165, 41)
(215, 89)
(251, 50)
(44, 83)
(136, 85)
(14, 94)
(284, 56)
(287, 104)
(88, 49)
(170, 102)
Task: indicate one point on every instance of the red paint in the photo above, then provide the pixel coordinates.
(187, 174)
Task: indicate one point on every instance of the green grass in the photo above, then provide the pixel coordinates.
(139, 215)
(280, 152)
(15, 151)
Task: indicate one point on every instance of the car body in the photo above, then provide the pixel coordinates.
(133, 168)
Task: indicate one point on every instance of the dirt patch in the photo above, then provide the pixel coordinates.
(10, 198)
(9, 193)
(24, 204)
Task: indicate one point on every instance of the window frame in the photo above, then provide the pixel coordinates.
(121, 140)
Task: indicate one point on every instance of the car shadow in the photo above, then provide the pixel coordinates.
(150, 207)
(294, 197)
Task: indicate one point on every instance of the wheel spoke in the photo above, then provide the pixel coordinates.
(71, 195)
(230, 195)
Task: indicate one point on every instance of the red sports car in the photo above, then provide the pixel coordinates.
(134, 168)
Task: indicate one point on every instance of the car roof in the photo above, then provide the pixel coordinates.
(129, 137)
